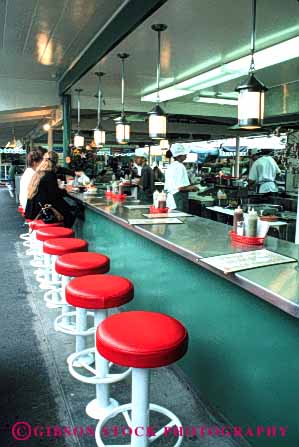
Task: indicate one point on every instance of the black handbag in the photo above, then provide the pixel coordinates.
(48, 214)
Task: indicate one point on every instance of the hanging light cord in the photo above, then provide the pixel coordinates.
(253, 34)
(123, 87)
(99, 101)
(158, 66)
(78, 91)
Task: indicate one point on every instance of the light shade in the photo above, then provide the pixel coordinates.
(46, 127)
(164, 144)
(157, 123)
(251, 103)
(78, 141)
(122, 131)
(99, 137)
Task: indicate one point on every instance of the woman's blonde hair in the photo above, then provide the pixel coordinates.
(45, 166)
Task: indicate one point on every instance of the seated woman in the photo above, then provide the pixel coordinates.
(34, 158)
(43, 189)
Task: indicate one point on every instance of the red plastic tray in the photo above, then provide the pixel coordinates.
(154, 210)
(119, 196)
(246, 240)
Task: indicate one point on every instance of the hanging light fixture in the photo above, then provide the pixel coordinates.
(157, 117)
(122, 125)
(252, 91)
(99, 135)
(79, 139)
(164, 145)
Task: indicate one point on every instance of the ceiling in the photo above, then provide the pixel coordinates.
(201, 35)
(40, 41)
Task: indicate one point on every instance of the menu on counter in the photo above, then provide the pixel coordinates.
(136, 207)
(167, 215)
(246, 260)
(154, 221)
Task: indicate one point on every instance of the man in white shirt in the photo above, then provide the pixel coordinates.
(263, 173)
(177, 183)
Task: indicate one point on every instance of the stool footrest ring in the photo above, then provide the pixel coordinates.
(59, 327)
(50, 301)
(124, 409)
(110, 378)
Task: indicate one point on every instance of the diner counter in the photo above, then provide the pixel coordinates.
(199, 238)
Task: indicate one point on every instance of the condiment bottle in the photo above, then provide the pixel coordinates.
(252, 223)
(156, 198)
(240, 228)
(238, 217)
(162, 200)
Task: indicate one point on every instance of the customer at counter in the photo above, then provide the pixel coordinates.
(263, 173)
(177, 183)
(34, 159)
(43, 189)
(146, 182)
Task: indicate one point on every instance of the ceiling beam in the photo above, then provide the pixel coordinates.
(126, 20)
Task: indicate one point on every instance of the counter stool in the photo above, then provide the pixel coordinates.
(141, 340)
(34, 246)
(53, 248)
(98, 293)
(43, 274)
(71, 266)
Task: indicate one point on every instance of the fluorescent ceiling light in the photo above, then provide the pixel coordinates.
(214, 100)
(273, 55)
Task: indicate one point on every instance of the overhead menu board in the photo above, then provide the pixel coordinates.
(246, 260)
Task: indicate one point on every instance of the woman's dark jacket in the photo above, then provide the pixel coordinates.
(49, 193)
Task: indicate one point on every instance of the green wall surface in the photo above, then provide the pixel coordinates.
(243, 357)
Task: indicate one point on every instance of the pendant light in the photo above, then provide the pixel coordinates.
(79, 139)
(99, 135)
(164, 145)
(157, 117)
(252, 91)
(122, 125)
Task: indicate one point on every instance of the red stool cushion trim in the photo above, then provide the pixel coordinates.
(141, 339)
(20, 209)
(99, 291)
(53, 233)
(39, 224)
(61, 246)
(82, 264)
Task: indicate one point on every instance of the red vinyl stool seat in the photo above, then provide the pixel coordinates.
(34, 248)
(142, 340)
(40, 224)
(62, 245)
(20, 209)
(86, 264)
(52, 248)
(98, 293)
(44, 234)
(74, 265)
